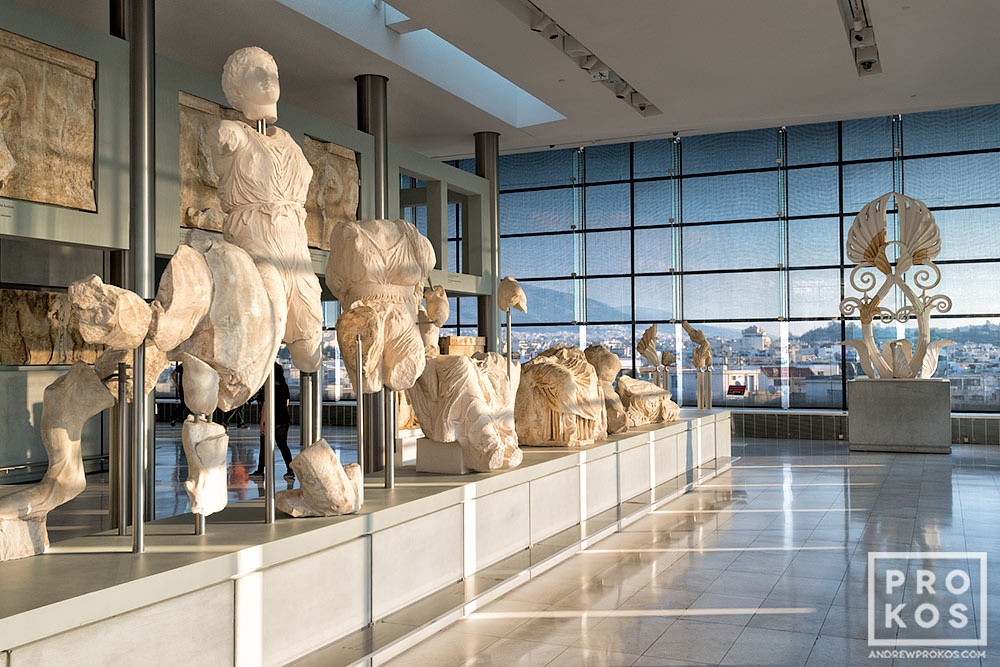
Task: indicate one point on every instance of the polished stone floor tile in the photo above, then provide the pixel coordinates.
(767, 564)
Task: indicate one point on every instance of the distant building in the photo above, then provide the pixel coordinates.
(754, 340)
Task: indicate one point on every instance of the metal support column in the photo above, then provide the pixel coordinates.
(390, 437)
(359, 416)
(488, 167)
(372, 118)
(142, 177)
(317, 424)
(306, 398)
(269, 476)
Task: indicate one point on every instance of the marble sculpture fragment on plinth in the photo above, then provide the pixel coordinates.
(913, 275)
(701, 359)
(327, 488)
(607, 365)
(377, 270)
(559, 400)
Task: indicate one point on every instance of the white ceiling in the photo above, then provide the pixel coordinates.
(709, 65)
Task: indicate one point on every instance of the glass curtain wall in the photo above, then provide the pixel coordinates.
(742, 234)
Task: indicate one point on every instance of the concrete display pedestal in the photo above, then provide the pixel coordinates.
(906, 415)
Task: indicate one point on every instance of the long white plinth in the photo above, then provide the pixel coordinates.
(248, 593)
(899, 415)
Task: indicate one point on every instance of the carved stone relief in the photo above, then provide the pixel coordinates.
(39, 328)
(333, 192)
(46, 124)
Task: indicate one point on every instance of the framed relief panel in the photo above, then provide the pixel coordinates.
(46, 124)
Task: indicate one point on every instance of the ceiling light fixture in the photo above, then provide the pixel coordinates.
(861, 36)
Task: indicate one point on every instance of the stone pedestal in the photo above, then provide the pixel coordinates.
(406, 446)
(20, 538)
(908, 415)
(445, 458)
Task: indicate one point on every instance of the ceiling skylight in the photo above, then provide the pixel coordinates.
(428, 56)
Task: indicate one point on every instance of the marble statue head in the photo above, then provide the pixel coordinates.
(250, 82)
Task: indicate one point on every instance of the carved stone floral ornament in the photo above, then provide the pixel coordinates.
(919, 242)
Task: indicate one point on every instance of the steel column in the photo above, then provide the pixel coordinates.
(488, 167)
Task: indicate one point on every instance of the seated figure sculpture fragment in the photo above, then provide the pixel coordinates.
(559, 400)
(468, 401)
(630, 402)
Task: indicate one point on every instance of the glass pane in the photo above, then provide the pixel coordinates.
(972, 128)
(653, 250)
(954, 181)
(609, 253)
(536, 211)
(532, 170)
(653, 202)
(814, 242)
(608, 206)
(654, 299)
(529, 341)
(809, 144)
(969, 234)
(730, 197)
(730, 151)
(718, 296)
(813, 191)
(969, 364)
(536, 256)
(814, 293)
(416, 215)
(971, 288)
(815, 374)
(606, 163)
(742, 245)
(744, 354)
(867, 138)
(609, 300)
(864, 183)
(549, 301)
(652, 158)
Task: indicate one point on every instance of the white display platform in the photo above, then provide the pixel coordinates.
(447, 458)
(899, 415)
(247, 593)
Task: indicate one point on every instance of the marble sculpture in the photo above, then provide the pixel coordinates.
(39, 328)
(377, 269)
(701, 359)
(630, 402)
(468, 401)
(510, 294)
(919, 243)
(607, 365)
(222, 308)
(327, 487)
(559, 400)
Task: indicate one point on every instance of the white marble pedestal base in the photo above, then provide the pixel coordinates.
(441, 457)
(899, 415)
(406, 446)
(20, 538)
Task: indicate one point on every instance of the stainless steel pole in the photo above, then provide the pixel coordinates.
(142, 180)
(390, 437)
(510, 351)
(268, 416)
(119, 452)
(317, 424)
(373, 119)
(360, 413)
(305, 410)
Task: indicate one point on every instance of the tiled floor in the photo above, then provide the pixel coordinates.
(765, 565)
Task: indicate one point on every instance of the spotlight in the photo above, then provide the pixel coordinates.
(623, 90)
(590, 62)
(551, 31)
(541, 24)
(866, 57)
(638, 101)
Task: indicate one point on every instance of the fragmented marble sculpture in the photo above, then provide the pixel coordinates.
(919, 243)
(645, 403)
(39, 328)
(467, 402)
(701, 359)
(607, 365)
(333, 191)
(559, 400)
(68, 402)
(46, 124)
(327, 487)
(263, 181)
(510, 294)
(377, 269)
(646, 347)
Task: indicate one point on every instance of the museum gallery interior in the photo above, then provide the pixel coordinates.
(499, 332)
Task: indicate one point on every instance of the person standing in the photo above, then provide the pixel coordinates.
(281, 421)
